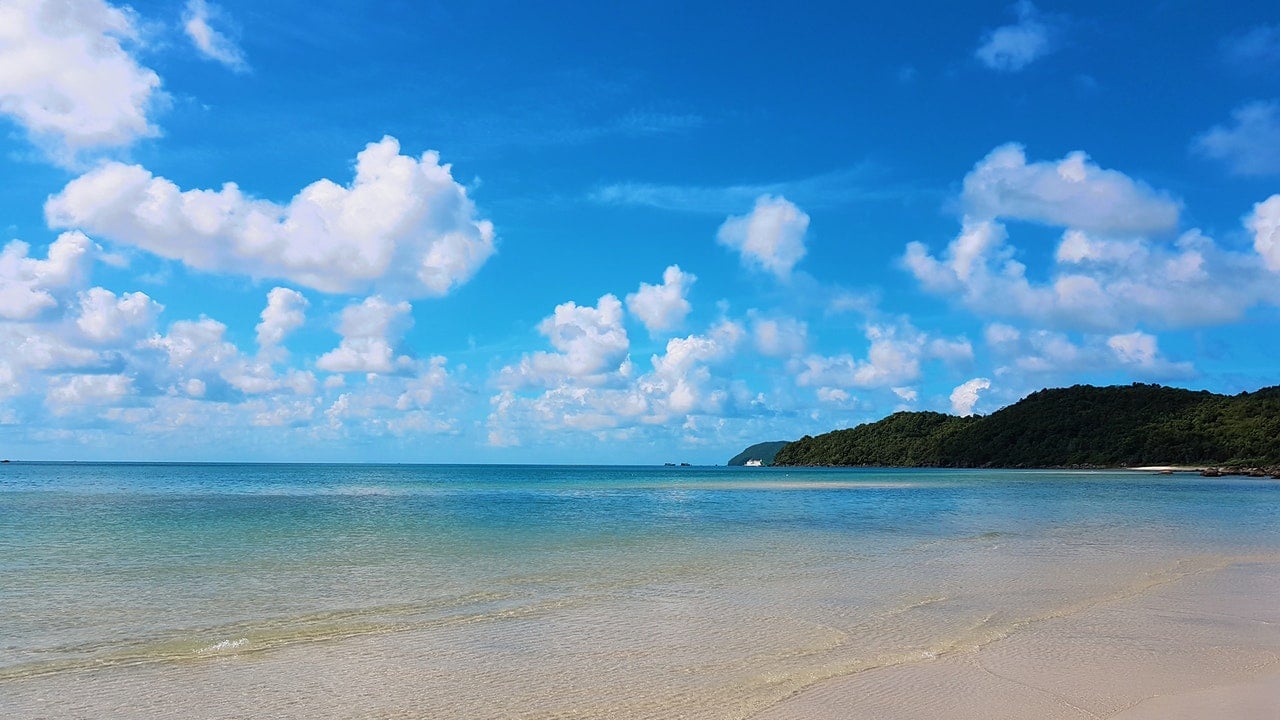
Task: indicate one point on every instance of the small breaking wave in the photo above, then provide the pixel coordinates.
(223, 646)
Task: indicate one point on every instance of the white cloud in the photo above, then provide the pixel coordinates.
(419, 398)
(1135, 348)
(423, 389)
(663, 307)
(193, 344)
(1096, 283)
(1071, 192)
(27, 285)
(403, 226)
(281, 413)
(1011, 48)
(1107, 272)
(1044, 352)
(1251, 146)
(72, 390)
(338, 411)
(833, 396)
(209, 42)
(67, 78)
(893, 358)
(779, 336)
(679, 387)
(591, 345)
(369, 332)
(199, 350)
(107, 318)
(950, 350)
(677, 384)
(998, 334)
(965, 395)
(771, 237)
(28, 351)
(1264, 222)
(286, 311)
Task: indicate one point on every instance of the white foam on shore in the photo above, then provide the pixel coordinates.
(223, 646)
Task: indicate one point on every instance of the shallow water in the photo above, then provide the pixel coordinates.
(509, 591)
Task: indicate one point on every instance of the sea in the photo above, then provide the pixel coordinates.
(503, 591)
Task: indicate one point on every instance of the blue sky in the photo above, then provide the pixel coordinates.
(544, 232)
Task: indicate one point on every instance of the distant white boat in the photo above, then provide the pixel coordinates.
(753, 463)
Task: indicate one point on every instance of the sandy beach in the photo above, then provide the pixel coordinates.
(1203, 646)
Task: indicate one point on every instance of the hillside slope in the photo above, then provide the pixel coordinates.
(764, 452)
(1067, 427)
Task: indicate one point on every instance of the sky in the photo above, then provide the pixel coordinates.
(504, 232)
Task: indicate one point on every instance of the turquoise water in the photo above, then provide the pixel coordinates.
(498, 591)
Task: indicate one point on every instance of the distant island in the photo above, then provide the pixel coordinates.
(759, 454)
(1082, 427)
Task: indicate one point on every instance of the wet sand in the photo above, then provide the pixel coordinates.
(1203, 646)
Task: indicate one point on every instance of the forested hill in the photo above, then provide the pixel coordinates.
(1079, 426)
(763, 452)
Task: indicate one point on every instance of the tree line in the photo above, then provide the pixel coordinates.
(1080, 426)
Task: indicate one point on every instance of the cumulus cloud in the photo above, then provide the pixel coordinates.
(663, 307)
(67, 78)
(894, 355)
(369, 332)
(1046, 352)
(31, 350)
(1135, 348)
(72, 390)
(286, 311)
(591, 345)
(1071, 192)
(770, 237)
(1108, 272)
(1264, 222)
(106, 318)
(590, 386)
(1011, 48)
(280, 413)
(999, 334)
(677, 383)
(211, 43)
(965, 396)
(420, 397)
(424, 387)
(403, 226)
(199, 350)
(1251, 144)
(1097, 283)
(28, 285)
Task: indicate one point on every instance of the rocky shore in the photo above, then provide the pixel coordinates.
(1268, 471)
